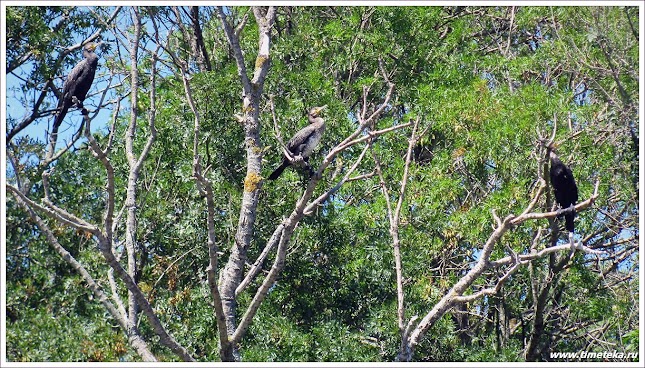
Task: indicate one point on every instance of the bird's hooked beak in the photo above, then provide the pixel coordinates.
(91, 46)
(320, 109)
(553, 146)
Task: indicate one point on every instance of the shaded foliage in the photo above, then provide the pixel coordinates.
(484, 80)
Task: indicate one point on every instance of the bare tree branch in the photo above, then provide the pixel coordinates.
(394, 217)
(35, 114)
(134, 337)
(484, 263)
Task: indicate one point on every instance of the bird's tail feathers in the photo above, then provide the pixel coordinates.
(60, 116)
(277, 172)
(568, 218)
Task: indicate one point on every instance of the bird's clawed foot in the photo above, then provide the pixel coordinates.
(563, 211)
(311, 171)
(77, 102)
(298, 161)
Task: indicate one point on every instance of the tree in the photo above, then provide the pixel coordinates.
(427, 232)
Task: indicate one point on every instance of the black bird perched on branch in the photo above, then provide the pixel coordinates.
(564, 187)
(305, 141)
(77, 84)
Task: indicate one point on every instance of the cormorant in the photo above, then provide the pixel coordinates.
(77, 84)
(305, 141)
(564, 188)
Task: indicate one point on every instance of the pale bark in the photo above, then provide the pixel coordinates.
(394, 217)
(456, 293)
(131, 194)
(134, 337)
(205, 186)
(252, 94)
(306, 206)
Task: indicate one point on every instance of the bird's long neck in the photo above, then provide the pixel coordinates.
(315, 120)
(90, 56)
(554, 158)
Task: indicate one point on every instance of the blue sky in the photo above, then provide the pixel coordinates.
(38, 129)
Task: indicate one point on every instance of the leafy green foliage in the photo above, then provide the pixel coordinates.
(482, 93)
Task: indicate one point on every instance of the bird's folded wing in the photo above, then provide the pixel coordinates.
(301, 137)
